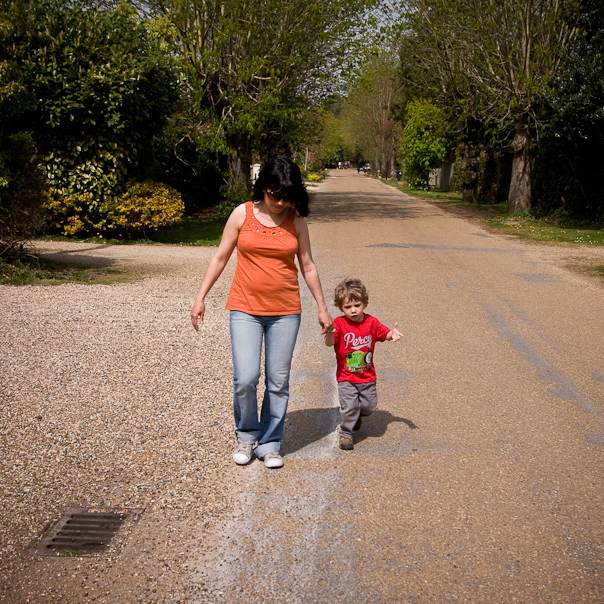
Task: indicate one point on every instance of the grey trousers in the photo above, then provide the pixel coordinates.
(355, 400)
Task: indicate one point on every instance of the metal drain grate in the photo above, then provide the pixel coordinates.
(83, 531)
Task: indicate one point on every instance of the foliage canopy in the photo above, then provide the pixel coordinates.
(254, 66)
(101, 87)
(491, 62)
(567, 180)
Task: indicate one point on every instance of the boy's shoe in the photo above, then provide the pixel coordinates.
(346, 443)
(357, 426)
(243, 454)
(273, 460)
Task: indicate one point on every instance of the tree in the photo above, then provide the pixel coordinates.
(253, 65)
(568, 181)
(424, 141)
(492, 60)
(334, 145)
(369, 113)
(102, 88)
(22, 187)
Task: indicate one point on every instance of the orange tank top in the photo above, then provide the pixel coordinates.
(266, 276)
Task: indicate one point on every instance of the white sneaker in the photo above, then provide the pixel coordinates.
(273, 460)
(242, 454)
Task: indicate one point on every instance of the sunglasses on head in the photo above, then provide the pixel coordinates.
(276, 195)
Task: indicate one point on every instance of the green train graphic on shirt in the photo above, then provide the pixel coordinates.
(357, 361)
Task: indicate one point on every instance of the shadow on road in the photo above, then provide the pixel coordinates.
(306, 426)
(344, 205)
(377, 423)
(76, 258)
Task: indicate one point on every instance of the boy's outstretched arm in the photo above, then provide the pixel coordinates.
(394, 334)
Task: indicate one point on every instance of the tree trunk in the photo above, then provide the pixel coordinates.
(444, 176)
(469, 172)
(239, 161)
(492, 177)
(519, 198)
(469, 193)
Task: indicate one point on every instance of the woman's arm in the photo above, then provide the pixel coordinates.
(219, 260)
(311, 274)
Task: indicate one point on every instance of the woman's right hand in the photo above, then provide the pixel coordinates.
(326, 322)
(197, 313)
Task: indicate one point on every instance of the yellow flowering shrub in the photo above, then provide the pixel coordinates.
(314, 178)
(146, 205)
(73, 214)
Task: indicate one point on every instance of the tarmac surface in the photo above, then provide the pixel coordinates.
(479, 478)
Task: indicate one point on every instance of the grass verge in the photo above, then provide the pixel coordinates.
(194, 230)
(429, 194)
(495, 215)
(534, 229)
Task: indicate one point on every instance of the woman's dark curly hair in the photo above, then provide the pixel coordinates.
(283, 175)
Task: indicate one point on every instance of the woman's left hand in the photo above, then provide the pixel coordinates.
(326, 321)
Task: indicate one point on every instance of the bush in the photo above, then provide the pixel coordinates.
(184, 159)
(424, 142)
(100, 87)
(314, 178)
(75, 214)
(22, 194)
(146, 206)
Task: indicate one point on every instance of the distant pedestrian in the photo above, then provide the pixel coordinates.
(269, 232)
(354, 336)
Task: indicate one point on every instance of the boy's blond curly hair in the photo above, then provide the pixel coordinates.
(350, 289)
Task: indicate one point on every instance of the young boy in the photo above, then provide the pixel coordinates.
(354, 336)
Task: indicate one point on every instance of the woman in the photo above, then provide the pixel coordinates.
(264, 302)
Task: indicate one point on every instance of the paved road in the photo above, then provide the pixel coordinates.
(480, 477)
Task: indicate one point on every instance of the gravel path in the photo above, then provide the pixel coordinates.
(110, 399)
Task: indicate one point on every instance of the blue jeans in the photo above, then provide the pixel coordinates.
(247, 332)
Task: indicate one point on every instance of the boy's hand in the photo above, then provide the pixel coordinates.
(329, 335)
(395, 333)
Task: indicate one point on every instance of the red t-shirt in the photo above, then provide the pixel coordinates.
(354, 344)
